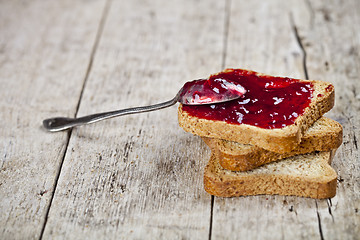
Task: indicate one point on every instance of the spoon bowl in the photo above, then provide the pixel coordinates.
(204, 91)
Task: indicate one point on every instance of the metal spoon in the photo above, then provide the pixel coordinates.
(188, 95)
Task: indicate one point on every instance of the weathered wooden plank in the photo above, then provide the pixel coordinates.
(140, 176)
(262, 37)
(332, 45)
(45, 49)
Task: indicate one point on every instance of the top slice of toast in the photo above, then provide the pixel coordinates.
(279, 140)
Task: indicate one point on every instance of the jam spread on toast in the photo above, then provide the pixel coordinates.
(269, 102)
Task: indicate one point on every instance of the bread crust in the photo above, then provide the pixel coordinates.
(324, 135)
(224, 183)
(279, 140)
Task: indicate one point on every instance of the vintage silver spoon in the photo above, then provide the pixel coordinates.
(196, 92)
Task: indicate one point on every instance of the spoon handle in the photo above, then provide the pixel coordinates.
(62, 123)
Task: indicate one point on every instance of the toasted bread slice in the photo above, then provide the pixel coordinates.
(308, 175)
(324, 135)
(278, 140)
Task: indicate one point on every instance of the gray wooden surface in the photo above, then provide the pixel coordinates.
(140, 176)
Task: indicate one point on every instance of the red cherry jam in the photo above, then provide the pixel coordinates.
(269, 102)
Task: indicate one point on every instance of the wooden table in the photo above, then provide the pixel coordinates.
(140, 176)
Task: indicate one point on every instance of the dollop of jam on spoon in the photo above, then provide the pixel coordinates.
(210, 91)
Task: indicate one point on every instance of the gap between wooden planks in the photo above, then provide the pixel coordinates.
(102, 182)
(297, 39)
(44, 52)
(140, 175)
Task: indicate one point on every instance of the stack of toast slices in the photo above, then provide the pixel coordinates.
(292, 160)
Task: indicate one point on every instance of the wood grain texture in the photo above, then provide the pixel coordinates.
(260, 38)
(331, 41)
(43, 61)
(140, 176)
(268, 42)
